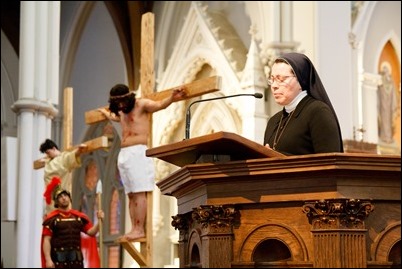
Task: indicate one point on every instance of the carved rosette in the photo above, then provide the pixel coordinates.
(338, 213)
(215, 217)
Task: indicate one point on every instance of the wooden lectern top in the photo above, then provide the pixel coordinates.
(189, 151)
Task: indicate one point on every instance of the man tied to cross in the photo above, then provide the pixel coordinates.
(136, 170)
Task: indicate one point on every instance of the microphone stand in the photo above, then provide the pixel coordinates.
(188, 113)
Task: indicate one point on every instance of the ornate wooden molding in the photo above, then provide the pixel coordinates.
(181, 222)
(207, 216)
(338, 213)
(214, 216)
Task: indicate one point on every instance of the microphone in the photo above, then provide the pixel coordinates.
(188, 114)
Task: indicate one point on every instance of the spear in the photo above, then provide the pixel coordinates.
(98, 194)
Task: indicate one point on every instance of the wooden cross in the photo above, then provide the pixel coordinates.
(92, 145)
(193, 89)
(147, 82)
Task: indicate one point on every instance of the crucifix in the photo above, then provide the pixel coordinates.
(193, 89)
(92, 145)
(147, 82)
(147, 79)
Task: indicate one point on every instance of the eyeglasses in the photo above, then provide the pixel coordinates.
(281, 80)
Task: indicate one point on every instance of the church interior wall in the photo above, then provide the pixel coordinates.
(304, 18)
(99, 64)
(9, 87)
(381, 30)
(94, 61)
(332, 55)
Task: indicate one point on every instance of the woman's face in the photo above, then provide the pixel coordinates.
(285, 86)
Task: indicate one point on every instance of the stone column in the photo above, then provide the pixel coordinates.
(369, 105)
(38, 85)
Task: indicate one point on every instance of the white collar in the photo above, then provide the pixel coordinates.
(292, 105)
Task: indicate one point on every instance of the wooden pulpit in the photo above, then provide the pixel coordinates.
(220, 146)
(241, 205)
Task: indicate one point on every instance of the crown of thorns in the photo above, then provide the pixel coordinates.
(121, 96)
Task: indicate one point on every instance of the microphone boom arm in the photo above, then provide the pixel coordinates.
(188, 113)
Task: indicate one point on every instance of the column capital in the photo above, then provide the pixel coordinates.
(337, 213)
(214, 216)
(30, 104)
